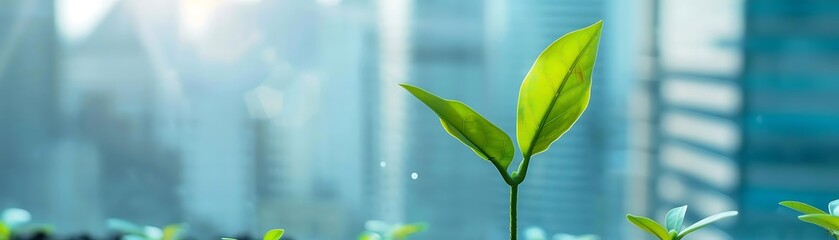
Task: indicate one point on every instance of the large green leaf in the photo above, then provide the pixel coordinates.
(649, 225)
(273, 234)
(463, 123)
(829, 222)
(708, 220)
(556, 90)
(801, 207)
(675, 218)
(833, 207)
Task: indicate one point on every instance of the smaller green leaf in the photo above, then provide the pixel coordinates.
(801, 207)
(402, 232)
(675, 218)
(472, 129)
(273, 234)
(833, 207)
(649, 225)
(829, 222)
(708, 220)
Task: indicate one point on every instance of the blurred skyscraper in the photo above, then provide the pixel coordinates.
(745, 102)
(306, 119)
(118, 142)
(28, 111)
(790, 111)
(697, 118)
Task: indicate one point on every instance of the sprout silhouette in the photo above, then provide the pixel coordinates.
(672, 229)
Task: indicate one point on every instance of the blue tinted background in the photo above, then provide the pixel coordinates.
(236, 116)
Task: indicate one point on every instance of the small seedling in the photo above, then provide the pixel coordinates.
(133, 231)
(827, 220)
(273, 234)
(378, 230)
(672, 229)
(552, 97)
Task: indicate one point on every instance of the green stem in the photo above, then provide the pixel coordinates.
(521, 173)
(514, 195)
(514, 181)
(503, 171)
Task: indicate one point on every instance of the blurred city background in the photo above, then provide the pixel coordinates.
(236, 116)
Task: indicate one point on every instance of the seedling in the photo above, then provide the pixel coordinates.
(133, 231)
(378, 230)
(273, 234)
(827, 220)
(552, 97)
(672, 229)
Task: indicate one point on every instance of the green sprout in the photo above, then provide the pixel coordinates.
(273, 234)
(552, 97)
(133, 231)
(378, 230)
(827, 220)
(672, 229)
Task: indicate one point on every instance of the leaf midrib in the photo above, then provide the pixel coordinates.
(558, 92)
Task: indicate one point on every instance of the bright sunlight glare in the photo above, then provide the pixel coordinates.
(77, 18)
